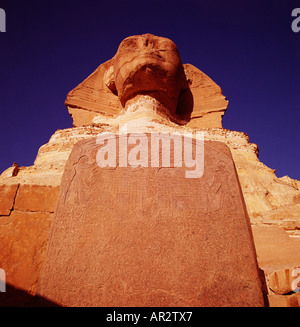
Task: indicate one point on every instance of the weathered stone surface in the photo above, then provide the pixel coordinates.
(275, 249)
(91, 98)
(95, 106)
(254, 176)
(23, 239)
(284, 301)
(153, 237)
(268, 198)
(51, 158)
(7, 198)
(36, 198)
(148, 65)
(200, 104)
(278, 256)
(281, 281)
(209, 104)
(24, 234)
(11, 171)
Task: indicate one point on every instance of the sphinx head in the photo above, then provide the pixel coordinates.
(146, 78)
(147, 65)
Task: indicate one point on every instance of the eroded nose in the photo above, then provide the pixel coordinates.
(148, 43)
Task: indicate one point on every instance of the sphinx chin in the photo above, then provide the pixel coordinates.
(148, 65)
(148, 79)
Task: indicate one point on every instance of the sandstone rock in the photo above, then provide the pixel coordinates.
(278, 256)
(273, 204)
(23, 239)
(281, 281)
(24, 229)
(266, 196)
(275, 249)
(50, 162)
(51, 158)
(284, 301)
(209, 104)
(28, 200)
(11, 171)
(36, 198)
(148, 64)
(153, 67)
(205, 97)
(91, 98)
(154, 237)
(7, 198)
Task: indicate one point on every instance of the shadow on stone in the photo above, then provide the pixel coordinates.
(14, 297)
(185, 104)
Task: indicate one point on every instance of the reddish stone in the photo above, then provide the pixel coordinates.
(36, 198)
(7, 198)
(24, 234)
(23, 239)
(150, 237)
(148, 64)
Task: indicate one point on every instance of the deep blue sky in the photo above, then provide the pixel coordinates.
(247, 47)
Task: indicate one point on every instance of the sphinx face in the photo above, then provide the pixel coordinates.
(148, 64)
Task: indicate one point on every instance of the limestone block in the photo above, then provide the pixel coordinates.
(275, 249)
(284, 281)
(23, 239)
(36, 198)
(7, 198)
(284, 301)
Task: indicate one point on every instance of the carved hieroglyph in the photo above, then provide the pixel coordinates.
(149, 236)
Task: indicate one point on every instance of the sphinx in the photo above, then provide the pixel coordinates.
(146, 79)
